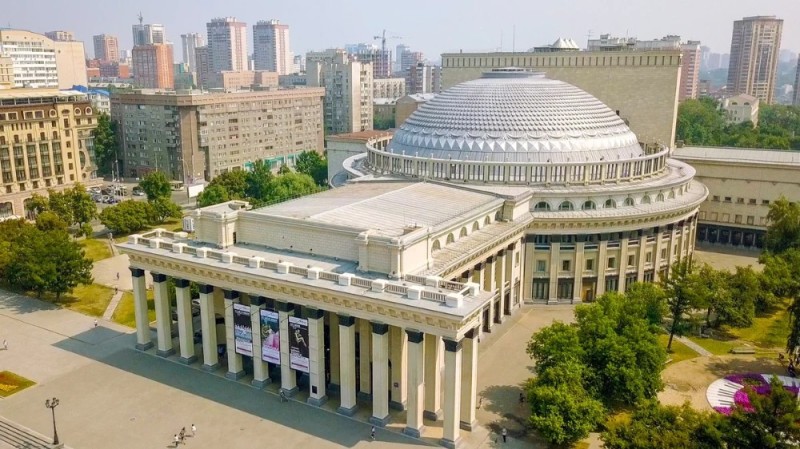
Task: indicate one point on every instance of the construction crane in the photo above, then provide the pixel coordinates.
(383, 38)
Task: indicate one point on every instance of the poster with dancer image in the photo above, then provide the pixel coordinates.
(270, 337)
(242, 329)
(298, 344)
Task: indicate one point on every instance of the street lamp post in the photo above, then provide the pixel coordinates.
(52, 404)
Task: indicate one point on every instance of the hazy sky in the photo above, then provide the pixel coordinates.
(432, 26)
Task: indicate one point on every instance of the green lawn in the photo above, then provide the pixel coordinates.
(172, 226)
(90, 299)
(11, 383)
(96, 249)
(125, 314)
(680, 351)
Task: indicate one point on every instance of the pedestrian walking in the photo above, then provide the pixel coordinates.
(372, 433)
(5, 345)
(177, 440)
(521, 398)
(194, 430)
(95, 323)
(117, 275)
(505, 435)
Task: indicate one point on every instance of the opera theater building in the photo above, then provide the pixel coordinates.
(507, 189)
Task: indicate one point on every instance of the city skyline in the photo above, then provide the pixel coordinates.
(440, 29)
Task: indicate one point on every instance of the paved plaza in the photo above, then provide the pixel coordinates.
(114, 396)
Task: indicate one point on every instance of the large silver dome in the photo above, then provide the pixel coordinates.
(510, 115)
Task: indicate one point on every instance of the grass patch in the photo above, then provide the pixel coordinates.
(125, 315)
(680, 351)
(581, 445)
(768, 331)
(716, 346)
(96, 249)
(90, 299)
(11, 383)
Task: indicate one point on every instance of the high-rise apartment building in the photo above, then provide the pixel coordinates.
(423, 78)
(755, 44)
(202, 67)
(153, 66)
(148, 33)
(348, 90)
(691, 58)
(42, 62)
(106, 48)
(201, 134)
(271, 49)
(398, 56)
(796, 99)
(64, 36)
(189, 44)
(45, 142)
(381, 60)
(227, 45)
(409, 59)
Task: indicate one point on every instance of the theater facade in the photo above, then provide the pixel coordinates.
(508, 189)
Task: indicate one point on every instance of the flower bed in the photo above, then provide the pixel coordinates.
(756, 383)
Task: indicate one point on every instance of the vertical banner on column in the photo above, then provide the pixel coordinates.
(270, 337)
(298, 344)
(243, 329)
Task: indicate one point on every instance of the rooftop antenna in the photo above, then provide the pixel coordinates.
(588, 37)
(141, 19)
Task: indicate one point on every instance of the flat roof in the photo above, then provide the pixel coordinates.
(740, 155)
(360, 136)
(19, 93)
(388, 208)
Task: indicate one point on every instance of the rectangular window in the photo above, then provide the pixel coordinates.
(715, 198)
(589, 264)
(765, 202)
(541, 266)
(664, 253)
(648, 257)
(751, 219)
(631, 260)
(565, 265)
(612, 262)
(739, 200)
(737, 219)
(727, 199)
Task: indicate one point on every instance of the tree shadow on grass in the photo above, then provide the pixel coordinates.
(724, 366)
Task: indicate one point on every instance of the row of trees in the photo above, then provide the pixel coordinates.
(701, 122)
(133, 216)
(42, 257)
(73, 205)
(261, 187)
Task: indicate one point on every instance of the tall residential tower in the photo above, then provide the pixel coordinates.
(755, 44)
(227, 45)
(271, 49)
(106, 48)
(189, 43)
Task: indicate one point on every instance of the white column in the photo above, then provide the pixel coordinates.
(555, 266)
(577, 284)
(602, 261)
(469, 380)
(380, 374)
(347, 364)
(183, 302)
(514, 296)
(365, 356)
(623, 263)
(489, 285)
(163, 316)
(398, 355)
(208, 327)
(501, 285)
(416, 383)
(235, 370)
(335, 353)
(433, 379)
(316, 357)
(288, 375)
(143, 336)
(452, 393)
(260, 367)
(642, 258)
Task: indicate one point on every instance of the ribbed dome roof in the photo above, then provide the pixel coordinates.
(515, 116)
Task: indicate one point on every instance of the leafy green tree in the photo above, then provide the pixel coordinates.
(37, 204)
(783, 231)
(10, 232)
(562, 411)
(258, 181)
(284, 169)
(49, 221)
(156, 185)
(61, 203)
(313, 164)
(555, 345)
(127, 217)
(163, 209)
(648, 300)
(212, 194)
(234, 182)
(772, 423)
(48, 262)
(290, 185)
(105, 143)
(84, 210)
(653, 425)
(750, 287)
(682, 288)
(699, 122)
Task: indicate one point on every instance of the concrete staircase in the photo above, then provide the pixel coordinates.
(22, 438)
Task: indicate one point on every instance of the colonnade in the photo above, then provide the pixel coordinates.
(390, 366)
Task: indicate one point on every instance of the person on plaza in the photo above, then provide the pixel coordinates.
(182, 434)
(117, 275)
(5, 345)
(95, 323)
(372, 433)
(505, 435)
(177, 440)
(521, 398)
(194, 430)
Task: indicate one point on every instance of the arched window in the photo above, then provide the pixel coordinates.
(660, 198)
(589, 205)
(463, 233)
(436, 246)
(671, 195)
(610, 204)
(450, 238)
(475, 226)
(487, 221)
(629, 201)
(646, 199)
(497, 216)
(566, 205)
(541, 205)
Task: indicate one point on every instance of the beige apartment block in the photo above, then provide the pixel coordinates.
(6, 73)
(237, 80)
(45, 142)
(348, 90)
(742, 183)
(755, 49)
(391, 88)
(70, 64)
(641, 86)
(199, 135)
